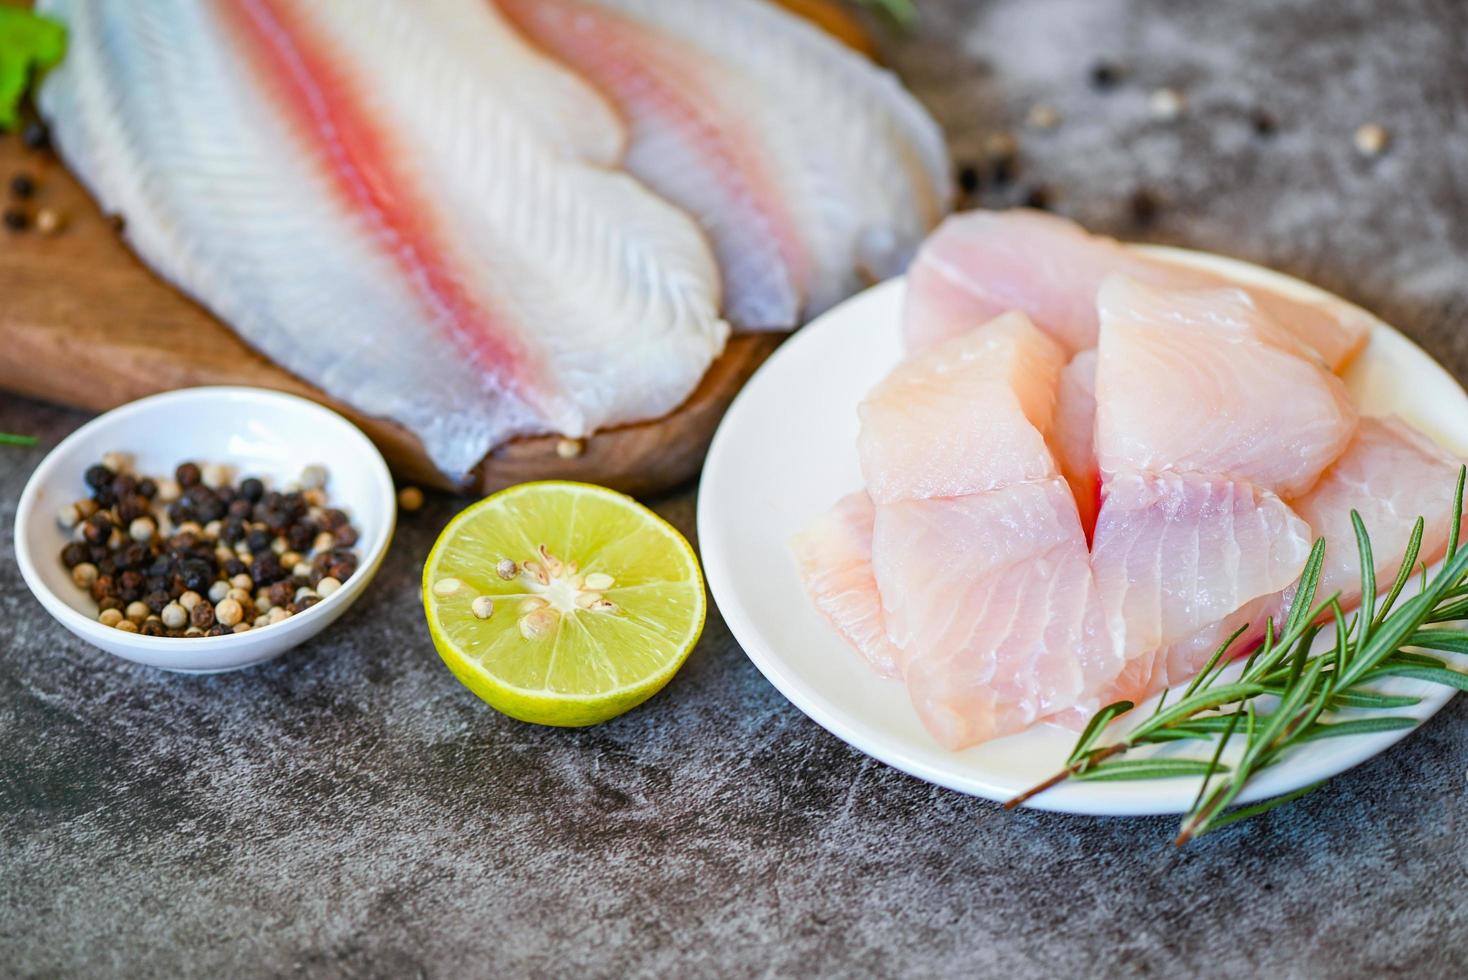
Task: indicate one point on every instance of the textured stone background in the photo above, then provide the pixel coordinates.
(350, 810)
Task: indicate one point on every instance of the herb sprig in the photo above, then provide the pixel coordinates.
(11, 439)
(1298, 687)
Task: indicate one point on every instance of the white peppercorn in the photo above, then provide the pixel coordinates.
(228, 613)
(174, 616)
(327, 586)
(218, 591)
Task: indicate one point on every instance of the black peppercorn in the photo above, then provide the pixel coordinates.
(1105, 75)
(202, 615)
(281, 593)
(1144, 205)
(73, 554)
(108, 602)
(240, 509)
(130, 586)
(197, 574)
(215, 630)
(251, 489)
(147, 487)
(157, 599)
(303, 603)
(97, 529)
(103, 587)
(1038, 198)
(968, 179)
(23, 186)
(300, 536)
(187, 474)
(259, 540)
(35, 135)
(332, 519)
(266, 569)
(179, 512)
(151, 627)
(235, 567)
(232, 531)
(98, 476)
(346, 536)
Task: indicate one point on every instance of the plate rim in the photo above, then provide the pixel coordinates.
(900, 753)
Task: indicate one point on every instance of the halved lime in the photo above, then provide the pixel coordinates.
(563, 603)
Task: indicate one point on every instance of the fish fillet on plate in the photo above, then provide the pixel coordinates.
(360, 192)
(813, 171)
(835, 556)
(1202, 381)
(982, 263)
(980, 561)
(1390, 474)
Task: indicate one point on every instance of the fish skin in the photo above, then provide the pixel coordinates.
(968, 415)
(1073, 436)
(834, 556)
(981, 263)
(1202, 381)
(1177, 552)
(723, 97)
(273, 159)
(1391, 474)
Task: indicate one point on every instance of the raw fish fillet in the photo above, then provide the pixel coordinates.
(977, 551)
(808, 166)
(835, 559)
(1390, 474)
(1204, 382)
(990, 598)
(968, 415)
(983, 263)
(342, 184)
(1074, 435)
(1177, 552)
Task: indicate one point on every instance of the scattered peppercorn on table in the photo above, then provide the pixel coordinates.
(351, 809)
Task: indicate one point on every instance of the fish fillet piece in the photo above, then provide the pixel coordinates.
(1074, 435)
(968, 415)
(982, 263)
(1203, 381)
(835, 559)
(1391, 474)
(1177, 552)
(338, 183)
(991, 600)
(808, 166)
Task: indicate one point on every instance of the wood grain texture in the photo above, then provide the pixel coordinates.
(85, 323)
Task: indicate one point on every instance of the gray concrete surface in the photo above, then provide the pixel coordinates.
(350, 810)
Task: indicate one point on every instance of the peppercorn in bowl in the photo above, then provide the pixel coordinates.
(206, 529)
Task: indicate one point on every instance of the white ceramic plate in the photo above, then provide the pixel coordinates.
(260, 433)
(787, 450)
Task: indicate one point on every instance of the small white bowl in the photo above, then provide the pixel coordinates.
(254, 431)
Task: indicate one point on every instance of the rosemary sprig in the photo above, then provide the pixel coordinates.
(11, 439)
(1298, 687)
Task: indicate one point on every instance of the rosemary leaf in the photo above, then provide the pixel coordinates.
(11, 439)
(1358, 726)
(1129, 769)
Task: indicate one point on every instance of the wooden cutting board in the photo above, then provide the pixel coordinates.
(83, 322)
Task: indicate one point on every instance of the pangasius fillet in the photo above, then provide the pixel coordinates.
(982, 263)
(1073, 436)
(977, 550)
(1175, 552)
(1390, 474)
(812, 170)
(990, 598)
(969, 415)
(835, 559)
(1203, 381)
(342, 183)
